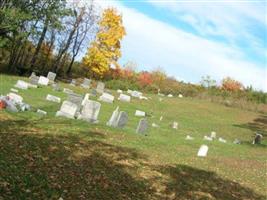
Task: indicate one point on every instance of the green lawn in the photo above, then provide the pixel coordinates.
(51, 157)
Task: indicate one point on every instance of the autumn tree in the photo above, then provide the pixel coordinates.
(105, 49)
(230, 84)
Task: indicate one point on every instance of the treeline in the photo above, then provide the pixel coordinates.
(45, 35)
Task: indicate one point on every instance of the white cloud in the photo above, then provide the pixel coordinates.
(152, 43)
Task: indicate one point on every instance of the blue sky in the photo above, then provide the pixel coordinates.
(190, 39)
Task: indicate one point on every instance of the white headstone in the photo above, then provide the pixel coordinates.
(86, 98)
(105, 97)
(90, 111)
(136, 94)
(188, 137)
(114, 117)
(119, 91)
(67, 109)
(143, 98)
(155, 125)
(100, 87)
(42, 112)
(129, 91)
(52, 98)
(43, 80)
(170, 95)
(213, 135)
(21, 85)
(175, 125)
(86, 83)
(207, 138)
(203, 150)
(161, 118)
(15, 97)
(67, 90)
(140, 113)
(14, 90)
(124, 98)
(222, 140)
(51, 76)
(180, 96)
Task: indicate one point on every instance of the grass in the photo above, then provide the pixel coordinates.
(51, 157)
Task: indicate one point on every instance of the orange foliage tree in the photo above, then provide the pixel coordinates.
(230, 84)
(145, 79)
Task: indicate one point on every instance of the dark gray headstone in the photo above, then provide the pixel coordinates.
(122, 119)
(257, 139)
(142, 126)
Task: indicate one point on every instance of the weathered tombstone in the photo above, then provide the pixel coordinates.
(143, 98)
(56, 87)
(43, 81)
(237, 141)
(52, 98)
(257, 139)
(73, 82)
(203, 150)
(41, 112)
(10, 106)
(86, 83)
(75, 98)
(114, 117)
(188, 137)
(67, 90)
(86, 98)
(100, 87)
(129, 91)
(170, 95)
(180, 96)
(142, 126)
(124, 98)
(122, 119)
(175, 125)
(136, 94)
(67, 109)
(34, 79)
(222, 140)
(119, 91)
(51, 76)
(207, 138)
(140, 113)
(213, 135)
(161, 118)
(93, 92)
(105, 97)
(22, 85)
(90, 111)
(15, 97)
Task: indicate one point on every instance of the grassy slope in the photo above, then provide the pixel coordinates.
(51, 157)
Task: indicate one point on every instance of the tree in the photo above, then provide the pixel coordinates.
(207, 82)
(105, 49)
(158, 76)
(144, 79)
(230, 84)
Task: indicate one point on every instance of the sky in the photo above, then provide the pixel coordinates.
(191, 39)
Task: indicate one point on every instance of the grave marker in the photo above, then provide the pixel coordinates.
(67, 109)
(90, 111)
(203, 150)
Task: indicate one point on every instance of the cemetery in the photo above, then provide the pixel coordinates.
(115, 124)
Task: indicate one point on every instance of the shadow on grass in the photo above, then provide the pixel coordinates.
(42, 166)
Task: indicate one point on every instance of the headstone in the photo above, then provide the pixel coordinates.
(23, 106)
(73, 82)
(15, 97)
(100, 87)
(170, 95)
(67, 109)
(14, 90)
(203, 150)
(105, 97)
(21, 85)
(188, 137)
(124, 98)
(122, 119)
(143, 98)
(180, 96)
(175, 125)
(142, 126)
(222, 140)
(51, 76)
(140, 113)
(119, 91)
(129, 91)
(213, 135)
(86, 98)
(56, 87)
(160, 99)
(136, 94)
(41, 112)
(34, 79)
(237, 141)
(207, 138)
(10, 106)
(114, 117)
(161, 118)
(257, 139)
(43, 80)
(155, 125)
(93, 92)
(75, 98)
(52, 98)
(86, 83)
(67, 91)
(90, 111)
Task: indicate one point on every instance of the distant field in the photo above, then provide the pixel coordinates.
(49, 157)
